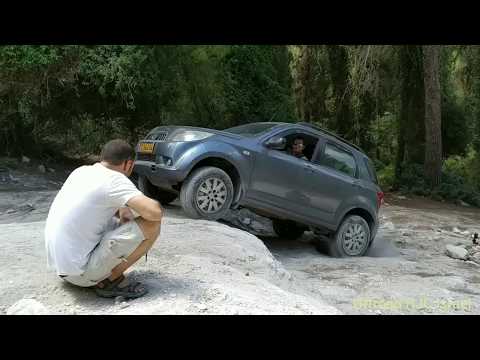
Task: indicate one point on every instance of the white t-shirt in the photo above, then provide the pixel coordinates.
(80, 213)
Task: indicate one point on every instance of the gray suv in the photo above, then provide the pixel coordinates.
(331, 189)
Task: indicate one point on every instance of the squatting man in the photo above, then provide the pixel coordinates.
(100, 224)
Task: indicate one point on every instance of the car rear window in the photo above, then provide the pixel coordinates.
(371, 170)
(340, 160)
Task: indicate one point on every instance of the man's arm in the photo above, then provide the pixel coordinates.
(148, 209)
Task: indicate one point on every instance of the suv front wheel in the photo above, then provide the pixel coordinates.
(351, 239)
(207, 193)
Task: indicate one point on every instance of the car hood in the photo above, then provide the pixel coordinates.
(169, 131)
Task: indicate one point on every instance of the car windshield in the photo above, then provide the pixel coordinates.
(251, 130)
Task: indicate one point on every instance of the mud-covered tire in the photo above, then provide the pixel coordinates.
(288, 229)
(150, 190)
(197, 200)
(352, 238)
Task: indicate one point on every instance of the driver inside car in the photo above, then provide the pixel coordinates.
(297, 148)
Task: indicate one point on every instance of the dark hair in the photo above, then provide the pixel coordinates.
(115, 152)
(299, 138)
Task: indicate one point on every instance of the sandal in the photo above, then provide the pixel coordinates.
(120, 287)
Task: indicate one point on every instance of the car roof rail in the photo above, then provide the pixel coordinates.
(318, 128)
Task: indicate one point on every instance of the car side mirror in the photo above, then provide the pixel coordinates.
(276, 143)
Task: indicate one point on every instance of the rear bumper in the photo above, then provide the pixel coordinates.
(160, 176)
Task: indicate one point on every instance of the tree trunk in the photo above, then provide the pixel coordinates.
(433, 115)
(311, 84)
(339, 70)
(413, 103)
(411, 122)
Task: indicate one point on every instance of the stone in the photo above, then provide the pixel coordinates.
(456, 252)
(25, 160)
(42, 169)
(463, 203)
(388, 225)
(119, 300)
(458, 231)
(474, 263)
(124, 305)
(475, 257)
(28, 307)
(51, 170)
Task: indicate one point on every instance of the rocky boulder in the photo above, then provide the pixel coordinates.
(456, 252)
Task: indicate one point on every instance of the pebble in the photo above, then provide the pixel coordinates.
(119, 300)
(124, 305)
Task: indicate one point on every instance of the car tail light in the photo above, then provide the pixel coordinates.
(380, 197)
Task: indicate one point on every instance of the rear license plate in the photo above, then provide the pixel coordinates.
(147, 148)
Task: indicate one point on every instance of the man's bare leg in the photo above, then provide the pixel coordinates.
(151, 231)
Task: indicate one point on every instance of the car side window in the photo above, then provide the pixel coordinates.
(338, 159)
(309, 142)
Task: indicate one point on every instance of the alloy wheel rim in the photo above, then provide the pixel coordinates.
(354, 239)
(211, 195)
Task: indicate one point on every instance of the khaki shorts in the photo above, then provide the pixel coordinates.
(118, 243)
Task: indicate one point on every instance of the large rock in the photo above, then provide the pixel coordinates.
(195, 267)
(456, 252)
(27, 307)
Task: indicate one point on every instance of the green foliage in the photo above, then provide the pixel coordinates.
(454, 185)
(74, 98)
(84, 95)
(258, 84)
(386, 176)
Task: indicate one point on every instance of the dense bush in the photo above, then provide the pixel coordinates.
(454, 187)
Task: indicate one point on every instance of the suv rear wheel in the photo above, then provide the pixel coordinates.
(207, 193)
(150, 190)
(351, 239)
(287, 229)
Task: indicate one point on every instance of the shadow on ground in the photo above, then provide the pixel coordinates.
(159, 285)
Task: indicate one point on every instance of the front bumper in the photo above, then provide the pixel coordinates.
(160, 176)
